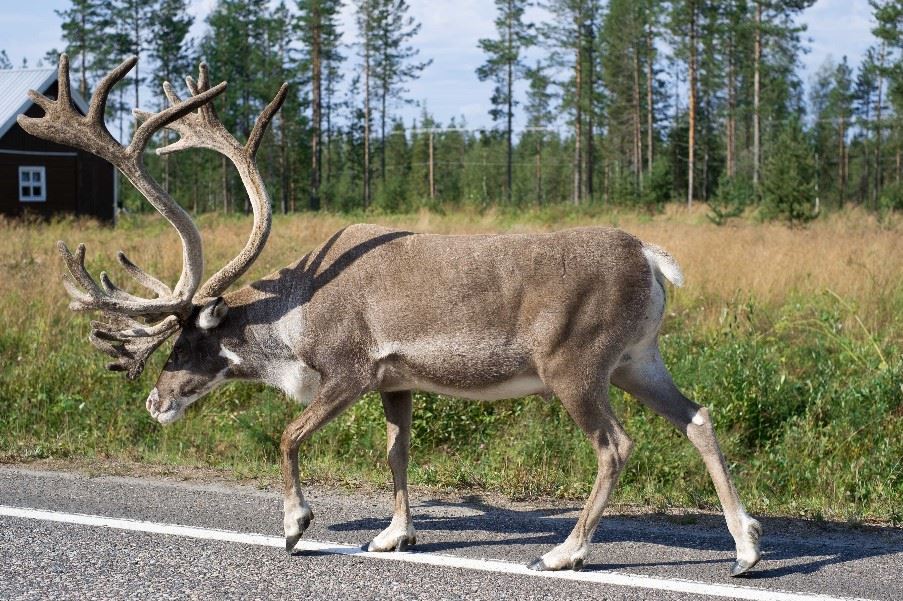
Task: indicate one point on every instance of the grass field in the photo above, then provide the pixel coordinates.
(791, 336)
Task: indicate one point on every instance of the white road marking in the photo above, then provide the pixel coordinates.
(485, 565)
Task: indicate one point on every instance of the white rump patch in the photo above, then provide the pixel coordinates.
(229, 355)
(664, 263)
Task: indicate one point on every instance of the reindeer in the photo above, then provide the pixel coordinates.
(374, 309)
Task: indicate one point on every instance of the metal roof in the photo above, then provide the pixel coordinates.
(14, 86)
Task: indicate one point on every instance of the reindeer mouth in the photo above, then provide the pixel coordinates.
(171, 412)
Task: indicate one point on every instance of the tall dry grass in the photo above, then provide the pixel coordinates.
(851, 255)
(791, 337)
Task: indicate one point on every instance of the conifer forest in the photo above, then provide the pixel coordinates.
(632, 103)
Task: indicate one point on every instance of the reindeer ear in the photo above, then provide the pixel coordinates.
(212, 313)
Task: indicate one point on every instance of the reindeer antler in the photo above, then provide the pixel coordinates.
(203, 129)
(124, 338)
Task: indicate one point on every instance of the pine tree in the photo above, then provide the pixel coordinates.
(864, 95)
(773, 27)
(504, 67)
(236, 47)
(319, 33)
(83, 31)
(170, 50)
(5, 63)
(788, 186)
(889, 31)
(571, 37)
(134, 17)
(394, 60)
(366, 17)
(539, 117)
(685, 28)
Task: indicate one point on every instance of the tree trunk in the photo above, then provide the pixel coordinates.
(637, 122)
(589, 40)
(691, 108)
(866, 182)
(137, 32)
(731, 124)
(650, 106)
(83, 84)
(842, 161)
(578, 116)
(878, 126)
(283, 162)
(316, 141)
(225, 173)
(382, 130)
(367, 113)
(510, 101)
(757, 67)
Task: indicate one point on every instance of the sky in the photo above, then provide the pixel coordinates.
(451, 29)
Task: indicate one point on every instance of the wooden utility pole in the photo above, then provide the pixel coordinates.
(432, 169)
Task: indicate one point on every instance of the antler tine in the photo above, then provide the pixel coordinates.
(203, 129)
(88, 295)
(63, 123)
(143, 278)
(264, 119)
(157, 121)
(63, 95)
(98, 105)
(135, 329)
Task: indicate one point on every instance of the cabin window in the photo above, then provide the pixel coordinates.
(32, 184)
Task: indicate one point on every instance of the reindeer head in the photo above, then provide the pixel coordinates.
(133, 327)
(199, 362)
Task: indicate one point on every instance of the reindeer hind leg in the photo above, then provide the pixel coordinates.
(647, 378)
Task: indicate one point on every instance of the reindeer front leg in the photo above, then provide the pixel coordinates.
(329, 403)
(398, 407)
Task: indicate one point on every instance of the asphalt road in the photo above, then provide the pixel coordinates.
(43, 557)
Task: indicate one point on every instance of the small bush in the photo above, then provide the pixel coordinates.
(734, 194)
(788, 185)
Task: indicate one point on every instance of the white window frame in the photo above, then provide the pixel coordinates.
(30, 171)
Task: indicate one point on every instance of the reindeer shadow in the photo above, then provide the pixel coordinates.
(812, 551)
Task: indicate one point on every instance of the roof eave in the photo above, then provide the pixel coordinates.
(27, 102)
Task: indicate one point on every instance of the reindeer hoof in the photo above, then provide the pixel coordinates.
(405, 542)
(295, 523)
(290, 542)
(578, 565)
(741, 567)
(538, 565)
(402, 544)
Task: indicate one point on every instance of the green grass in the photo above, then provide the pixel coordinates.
(806, 396)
